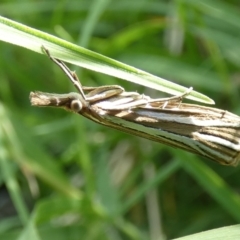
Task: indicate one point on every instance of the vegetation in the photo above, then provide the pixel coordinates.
(65, 177)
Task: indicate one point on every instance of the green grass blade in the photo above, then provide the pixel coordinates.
(33, 39)
(224, 233)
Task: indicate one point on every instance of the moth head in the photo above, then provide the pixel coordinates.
(71, 101)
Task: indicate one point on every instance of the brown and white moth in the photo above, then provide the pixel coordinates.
(207, 131)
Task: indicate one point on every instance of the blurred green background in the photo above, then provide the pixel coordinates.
(64, 176)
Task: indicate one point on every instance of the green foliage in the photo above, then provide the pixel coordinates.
(65, 177)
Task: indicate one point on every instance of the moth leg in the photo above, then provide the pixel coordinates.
(70, 74)
(143, 100)
(104, 92)
(177, 98)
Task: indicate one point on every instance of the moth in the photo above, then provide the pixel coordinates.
(206, 131)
